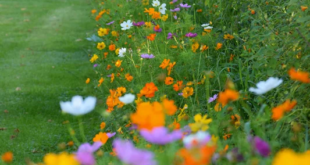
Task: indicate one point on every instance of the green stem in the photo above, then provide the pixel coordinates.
(82, 129)
(72, 134)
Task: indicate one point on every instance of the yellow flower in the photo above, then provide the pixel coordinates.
(114, 33)
(100, 81)
(164, 17)
(94, 58)
(228, 37)
(117, 51)
(103, 32)
(148, 24)
(60, 159)
(195, 46)
(101, 45)
(289, 157)
(201, 123)
(87, 80)
(187, 91)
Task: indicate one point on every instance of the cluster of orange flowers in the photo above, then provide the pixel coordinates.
(148, 90)
(196, 156)
(153, 13)
(225, 97)
(113, 100)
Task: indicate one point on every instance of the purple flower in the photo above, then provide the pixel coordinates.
(175, 10)
(85, 153)
(185, 5)
(110, 23)
(175, 17)
(109, 75)
(138, 23)
(133, 127)
(211, 99)
(95, 65)
(160, 135)
(147, 56)
(180, 94)
(174, 1)
(191, 35)
(128, 154)
(111, 134)
(170, 35)
(261, 146)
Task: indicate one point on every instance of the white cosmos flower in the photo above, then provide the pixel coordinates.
(201, 138)
(162, 8)
(121, 52)
(156, 3)
(126, 25)
(127, 99)
(206, 26)
(265, 86)
(78, 106)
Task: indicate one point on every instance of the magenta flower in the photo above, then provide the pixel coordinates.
(191, 35)
(85, 153)
(110, 23)
(128, 154)
(175, 17)
(138, 23)
(175, 10)
(170, 35)
(160, 135)
(95, 65)
(260, 145)
(147, 56)
(211, 99)
(185, 5)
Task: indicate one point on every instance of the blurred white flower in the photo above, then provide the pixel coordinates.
(127, 99)
(162, 8)
(78, 106)
(265, 86)
(126, 25)
(121, 52)
(156, 3)
(200, 138)
(206, 26)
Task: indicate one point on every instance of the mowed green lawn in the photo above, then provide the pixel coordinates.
(43, 60)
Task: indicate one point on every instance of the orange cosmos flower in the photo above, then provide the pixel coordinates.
(169, 80)
(226, 96)
(157, 27)
(108, 67)
(173, 46)
(195, 46)
(169, 107)
(87, 80)
(156, 15)
(102, 125)
(228, 37)
(151, 11)
(178, 86)
(299, 76)
(204, 47)
(105, 54)
(278, 112)
(197, 156)
(120, 91)
(101, 137)
(149, 90)
(112, 77)
(175, 125)
(151, 37)
(199, 10)
(148, 116)
(93, 11)
(118, 63)
(170, 66)
(112, 47)
(70, 143)
(100, 81)
(231, 57)
(252, 12)
(187, 91)
(7, 157)
(303, 8)
(164, 64)
(218, 46)
(128, 77)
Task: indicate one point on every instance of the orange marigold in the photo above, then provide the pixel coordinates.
(299, 76)
(188, 91)
(170, 66)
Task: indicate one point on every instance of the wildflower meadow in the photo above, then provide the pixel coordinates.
(188, 82)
